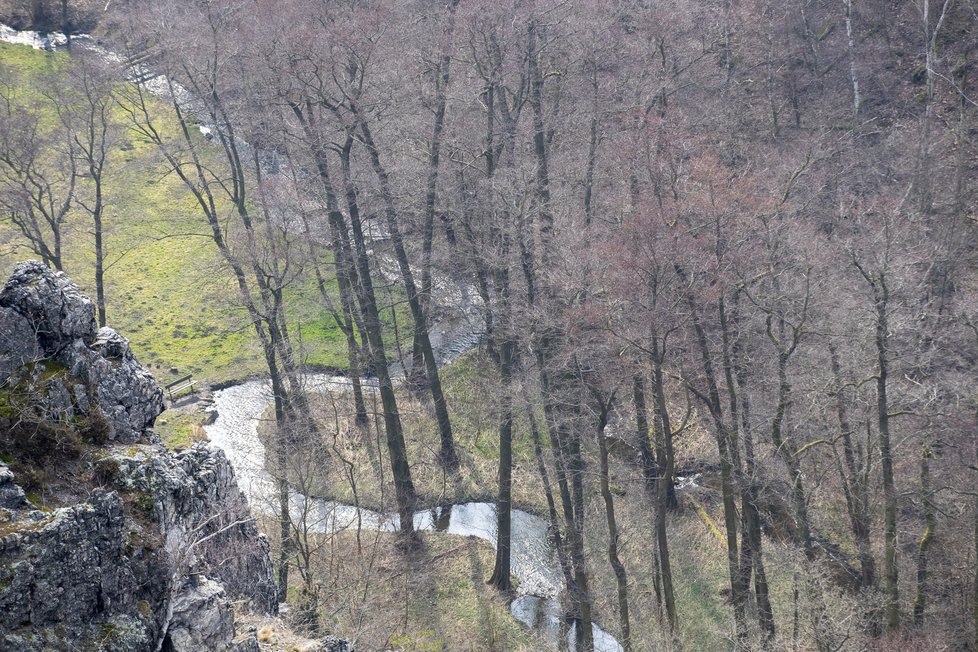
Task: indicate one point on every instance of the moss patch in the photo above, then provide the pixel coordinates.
(180, 429)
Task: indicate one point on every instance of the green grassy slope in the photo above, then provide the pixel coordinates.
(167, 288)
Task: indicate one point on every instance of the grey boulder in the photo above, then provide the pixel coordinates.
(45, 318)
(202, 617)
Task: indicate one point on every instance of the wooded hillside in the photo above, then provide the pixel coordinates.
(730, 238)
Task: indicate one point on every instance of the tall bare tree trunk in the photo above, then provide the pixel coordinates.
(442, 76)
(851, 50)
(447, 455)
(930, 525)
(854, 487)
(890, 562)
(397, 449)
(569, 480)
(592, 150)
(877, 281)
(621, 578)
(556, 381)
(752, 560)
(665, 496)
(727, 470)
(974, 606)
(559, 543)
(649, 471)
(504, 502)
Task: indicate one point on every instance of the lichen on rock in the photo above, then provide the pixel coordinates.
(58, 322)
(201, 618)
(150, 546)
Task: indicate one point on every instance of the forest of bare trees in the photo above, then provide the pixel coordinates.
(753, 220)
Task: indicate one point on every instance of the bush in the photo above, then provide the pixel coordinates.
(94, 428)
(37, 441)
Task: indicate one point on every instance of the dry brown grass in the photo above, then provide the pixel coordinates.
(403, 592)
(434, 598)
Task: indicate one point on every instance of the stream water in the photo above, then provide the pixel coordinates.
(239, 409)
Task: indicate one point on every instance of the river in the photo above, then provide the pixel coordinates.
(239, 409)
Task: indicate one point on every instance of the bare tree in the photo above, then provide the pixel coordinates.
(86, 111)
(38, 173)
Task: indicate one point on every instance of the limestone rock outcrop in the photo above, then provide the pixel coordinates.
(131, 547)
(204, 517)
(44, 317)
(201, 617)
(18, 346)
(67, 578)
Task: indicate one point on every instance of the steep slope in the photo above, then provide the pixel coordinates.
(118, 543)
